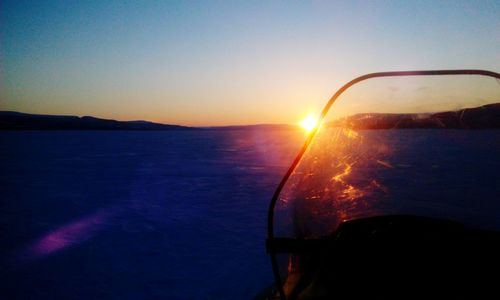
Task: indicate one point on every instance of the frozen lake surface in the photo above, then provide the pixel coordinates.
(182, 214)
(138, 215)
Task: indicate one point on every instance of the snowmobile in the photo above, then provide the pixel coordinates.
(395, 194)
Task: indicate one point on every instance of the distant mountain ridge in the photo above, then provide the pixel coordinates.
(11, 120)
(486, 116)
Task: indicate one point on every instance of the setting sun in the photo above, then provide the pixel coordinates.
(309, 123)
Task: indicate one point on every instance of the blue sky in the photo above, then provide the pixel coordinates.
(225, 62)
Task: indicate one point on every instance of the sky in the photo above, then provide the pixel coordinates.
(225, 62)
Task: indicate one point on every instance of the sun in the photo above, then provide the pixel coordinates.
(309, 123)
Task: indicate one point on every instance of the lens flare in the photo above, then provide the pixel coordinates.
(309, 123)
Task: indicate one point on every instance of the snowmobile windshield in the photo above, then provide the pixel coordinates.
(401, 143)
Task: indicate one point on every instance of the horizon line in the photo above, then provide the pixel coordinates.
(153, 122)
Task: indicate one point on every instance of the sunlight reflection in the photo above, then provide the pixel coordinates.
(337, 179)
(384, 163)
(65, 236)
(351, 134)
(345, 172)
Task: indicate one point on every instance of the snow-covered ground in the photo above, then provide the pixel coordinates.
(138, 215)
(182, 214)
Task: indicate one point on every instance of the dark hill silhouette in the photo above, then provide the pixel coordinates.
(487, 116)
(10, 120)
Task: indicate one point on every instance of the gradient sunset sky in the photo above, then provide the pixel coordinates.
(225, 62)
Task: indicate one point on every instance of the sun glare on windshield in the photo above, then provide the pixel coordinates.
(309, 123)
